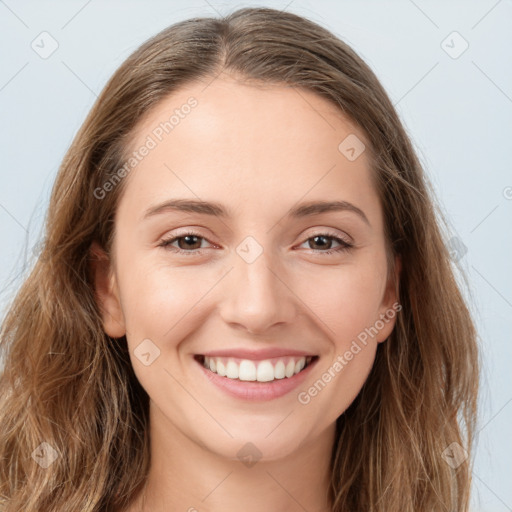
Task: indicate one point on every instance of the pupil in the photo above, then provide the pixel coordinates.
(321, 241)
(324, 238)
(189, 240)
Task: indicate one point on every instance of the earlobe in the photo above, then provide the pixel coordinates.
(106, 292)
(390, 305)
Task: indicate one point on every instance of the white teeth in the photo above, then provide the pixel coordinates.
(298, 365)
(247, 370)
(265, 372)
(232, 370)
(290, 369)
(262, 371)
(221, 369)
(279, 370)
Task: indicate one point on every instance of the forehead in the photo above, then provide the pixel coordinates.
(245, 145)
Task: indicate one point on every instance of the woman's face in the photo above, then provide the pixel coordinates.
(258, 271)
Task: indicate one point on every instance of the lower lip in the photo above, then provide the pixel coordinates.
(257, 391)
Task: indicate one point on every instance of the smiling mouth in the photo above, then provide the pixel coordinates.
(248, 370)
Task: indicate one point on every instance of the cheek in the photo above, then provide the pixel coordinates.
(337, 383)
(346, 303)
(345, 300)
(158, 302)
(162, 303)
(164, 306)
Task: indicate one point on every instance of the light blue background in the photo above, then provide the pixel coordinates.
(458, 113)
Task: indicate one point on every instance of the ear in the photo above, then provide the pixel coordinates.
(106, 292)
(390, 306)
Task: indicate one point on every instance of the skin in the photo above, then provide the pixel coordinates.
(258, 151)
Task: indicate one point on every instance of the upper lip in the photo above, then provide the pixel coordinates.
(257, 355)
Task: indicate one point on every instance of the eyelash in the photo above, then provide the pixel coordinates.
(166, 244)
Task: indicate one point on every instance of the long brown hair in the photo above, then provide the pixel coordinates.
(66, 383)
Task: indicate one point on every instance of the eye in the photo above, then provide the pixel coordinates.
(324, 243)
(188, 243)
(192, 244)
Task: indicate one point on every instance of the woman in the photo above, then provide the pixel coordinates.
(244, 298)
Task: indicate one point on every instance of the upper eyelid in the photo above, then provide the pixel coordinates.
(196, 230)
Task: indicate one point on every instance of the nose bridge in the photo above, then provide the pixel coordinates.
(257, 297)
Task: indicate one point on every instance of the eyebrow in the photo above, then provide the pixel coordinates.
(217, 210)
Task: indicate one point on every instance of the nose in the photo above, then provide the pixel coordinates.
(257, 296)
